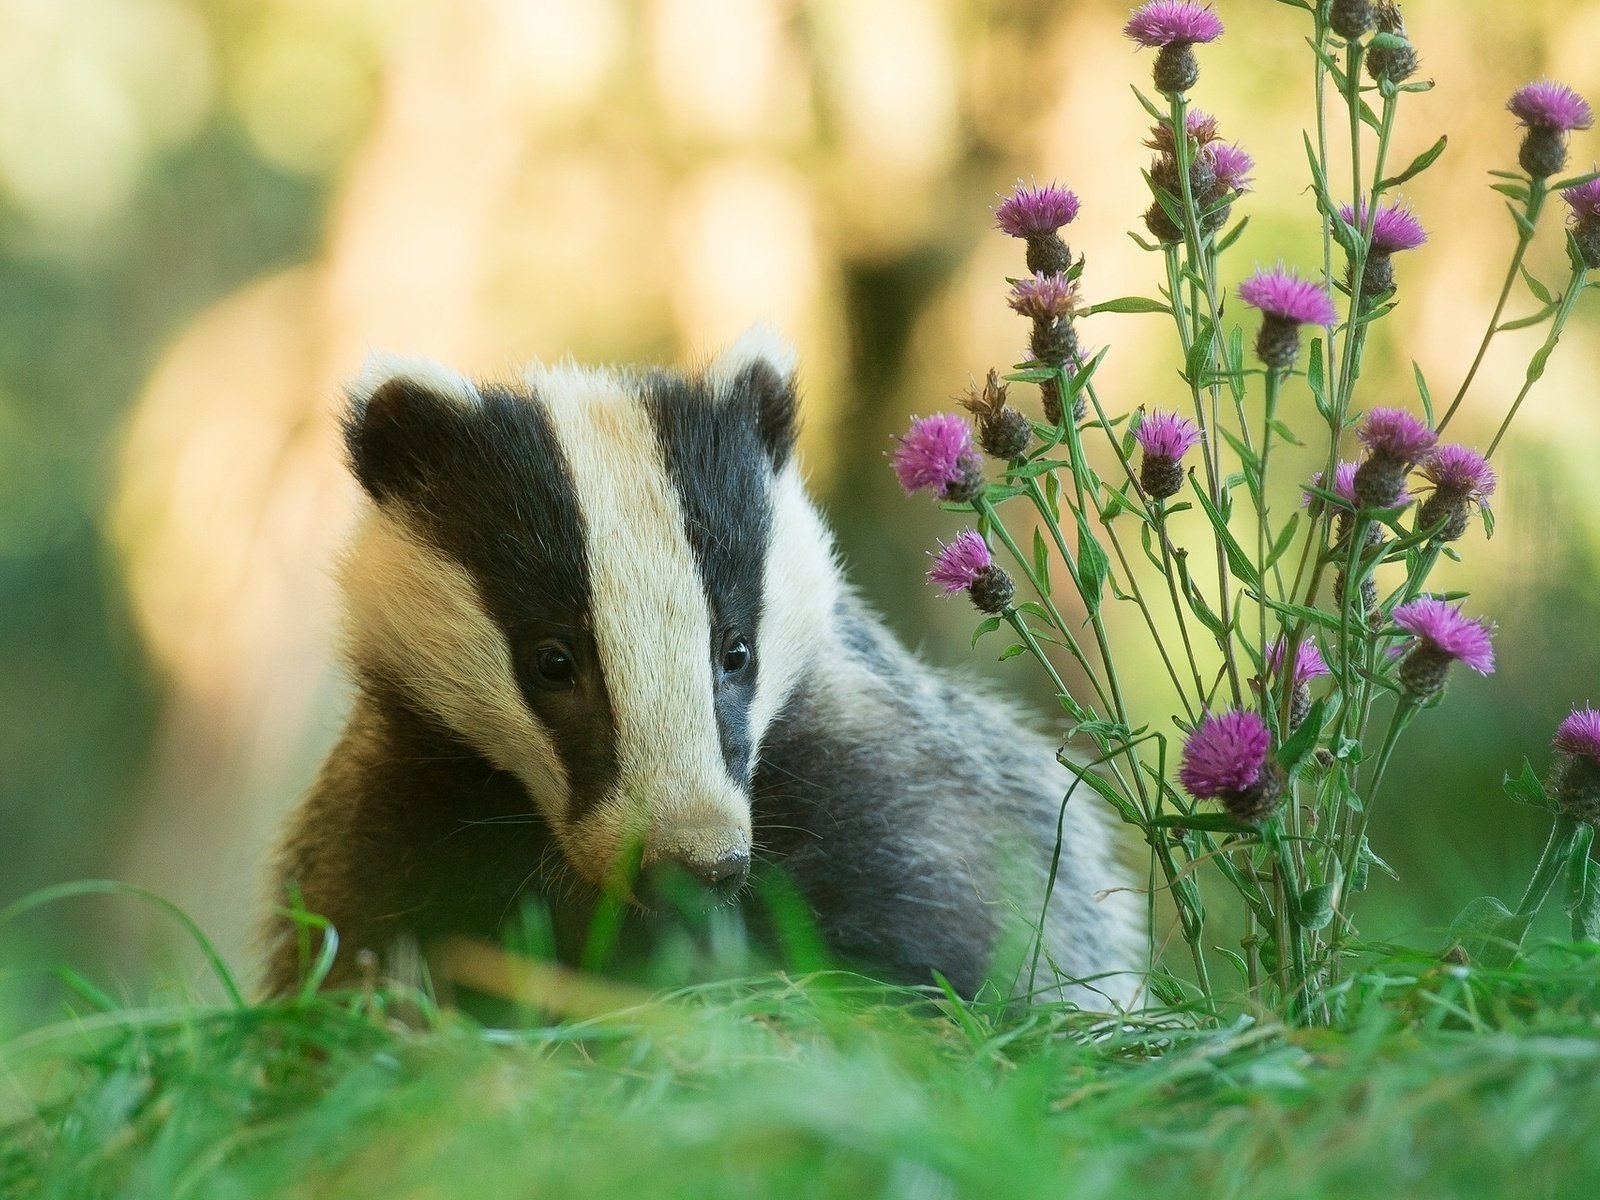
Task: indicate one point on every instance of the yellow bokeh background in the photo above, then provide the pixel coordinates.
(226, 203)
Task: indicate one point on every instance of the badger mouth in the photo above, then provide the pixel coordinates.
(669, 886)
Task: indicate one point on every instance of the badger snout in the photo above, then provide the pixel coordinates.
(694, 867)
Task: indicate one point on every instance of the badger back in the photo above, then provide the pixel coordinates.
(605, 582)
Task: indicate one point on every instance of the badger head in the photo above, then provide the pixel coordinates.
(606, 582)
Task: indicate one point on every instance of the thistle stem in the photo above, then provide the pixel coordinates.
(1569, 301)
(1537, 190)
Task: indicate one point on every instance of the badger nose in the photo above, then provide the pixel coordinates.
(676, 879)
(726, 875)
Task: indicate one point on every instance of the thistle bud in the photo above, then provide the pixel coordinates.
(1390, 55)
(1575, 779)
(1350, 18)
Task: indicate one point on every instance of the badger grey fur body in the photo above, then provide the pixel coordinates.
(596, 610)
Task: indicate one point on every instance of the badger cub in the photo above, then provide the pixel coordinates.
(592, 614)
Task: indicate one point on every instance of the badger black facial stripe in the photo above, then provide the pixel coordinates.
(715, 453)
(487, 483)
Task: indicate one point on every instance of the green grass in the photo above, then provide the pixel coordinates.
(1446, 1082)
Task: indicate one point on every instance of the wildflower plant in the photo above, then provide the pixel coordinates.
(1300, 642)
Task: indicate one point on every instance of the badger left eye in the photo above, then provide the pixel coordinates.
(736, 655)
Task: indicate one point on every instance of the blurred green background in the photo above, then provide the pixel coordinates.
(211, 209)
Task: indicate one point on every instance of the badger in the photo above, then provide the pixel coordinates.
(597, 630)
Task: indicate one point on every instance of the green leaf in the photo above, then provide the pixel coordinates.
(1199, 352)
(1539, 361)
(1303, 741)
(1285, 540)
(1238, 561)
(1419, 164)
(1102, 787)
(1526, 788)
(1129, 304)
(1232, 236)
(1012, 651)
(1540, 292)
(1237, 959)
(1197, 605)
(1488, 931)
(1036, 467)
(1517, 215)
(1422, 390)
(1314, 909)
(1580, 266)
(1111, 731)
(1583, 887)
(1317, 379)
(1575, 181)
(1156, 114)
(1538, 318)
(1041, 561)
(1517, 191)
(1312, 616)
(1093, 566)
(1205, 822)
(987, 625)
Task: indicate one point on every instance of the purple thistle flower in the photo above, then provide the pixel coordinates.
(1165, 437)
(1396, 441)
(1286, 302)
(965, 565)
(1308, 661)
(1394, 229)
(1036, 211)
(959, 564)
(1443, 635)
(1225, 758)
(1281, 294)
(1548, 111)
(1584, 200)
(1576, 777)
(1344, 486)
(936, 455)
(1461, 478)
(1457, 469)
(1164, 23)
(1173, 27)
(1395, 433)
(1547, 104)
(1224, 753)
(1167, 434)
(1230, 164)
(1580, 733)
(1045, 297)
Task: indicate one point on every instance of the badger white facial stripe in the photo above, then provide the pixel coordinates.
(652, 627)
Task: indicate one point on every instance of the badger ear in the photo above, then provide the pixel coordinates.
(402, 414)
(756, 376)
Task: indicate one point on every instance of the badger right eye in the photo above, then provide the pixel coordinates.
(552, 662)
